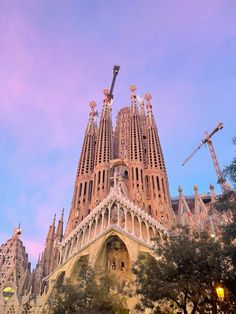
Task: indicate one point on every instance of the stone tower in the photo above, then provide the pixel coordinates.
(15, 276)
(49, 258)
(84, 181)
(121, 202)
(132, 151)
(103, 153)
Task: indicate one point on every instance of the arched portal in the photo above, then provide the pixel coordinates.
(79, 267)
(60, 280)
(113, 256)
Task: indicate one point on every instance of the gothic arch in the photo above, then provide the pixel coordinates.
(106, 218)
(136, 226)
(152, 233)
(117, 163)
(99, 225)
(129, 221)
(92, 233)
(60, 280)
(114, 214)
(79, 266)
(113, 255)
(86, 235)
(144, 231)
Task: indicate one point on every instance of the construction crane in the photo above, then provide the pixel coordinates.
(116, 69)
(207, 140)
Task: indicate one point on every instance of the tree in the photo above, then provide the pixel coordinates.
(230, 171)
(226, 204)
(183, 273)
(94, 293)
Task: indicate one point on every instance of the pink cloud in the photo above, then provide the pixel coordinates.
(53, 64)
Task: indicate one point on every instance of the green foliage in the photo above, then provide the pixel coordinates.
(93, 293)
(182, 273)
(230, 171)
(226, 204)
(185, 268)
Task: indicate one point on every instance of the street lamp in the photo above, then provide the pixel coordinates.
(220, 291)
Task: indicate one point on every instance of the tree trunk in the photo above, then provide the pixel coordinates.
(195, 306)
(185, 310)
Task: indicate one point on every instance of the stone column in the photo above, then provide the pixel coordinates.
(96, 225)
(140, 228)
(132, 224)
(103, 213)
(125, 211)
(118, 215)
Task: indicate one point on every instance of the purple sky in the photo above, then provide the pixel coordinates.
(57, 56)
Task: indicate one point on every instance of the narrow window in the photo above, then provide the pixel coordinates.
(158, 184)
(103, 177)
(85, 188)
(149, 210)
(153, 184)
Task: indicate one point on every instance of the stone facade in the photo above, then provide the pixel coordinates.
(121, 201)
(15, 275)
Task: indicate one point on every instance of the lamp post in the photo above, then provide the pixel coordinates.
(220, 291)
(7, 293)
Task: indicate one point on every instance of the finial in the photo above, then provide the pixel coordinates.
(92, 105)
(92, 113)
(211, 186)
(180, 190)
(133, 88)
(148, 97)
(106, 92)
(195, 188)
(107, 97)
(17, 231)
(62, 214)
(133, 96)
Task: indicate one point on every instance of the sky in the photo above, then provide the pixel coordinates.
(57, 56)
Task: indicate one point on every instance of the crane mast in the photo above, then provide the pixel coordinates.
(207, 140)
(116, 69)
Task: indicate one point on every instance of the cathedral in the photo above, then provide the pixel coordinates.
(121, 202)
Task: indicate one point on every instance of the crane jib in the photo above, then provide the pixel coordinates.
(207, 140)
(116, 69)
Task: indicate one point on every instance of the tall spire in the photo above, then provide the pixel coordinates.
(83, 182)
(15, 271)
(57, 239)
(59, 231)
(156, 159)
(136, 158)
(136, 148)
(104, 152)
(143, 127)
(158, 181)
(185, 216)
(86, 162)
(49, 247)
